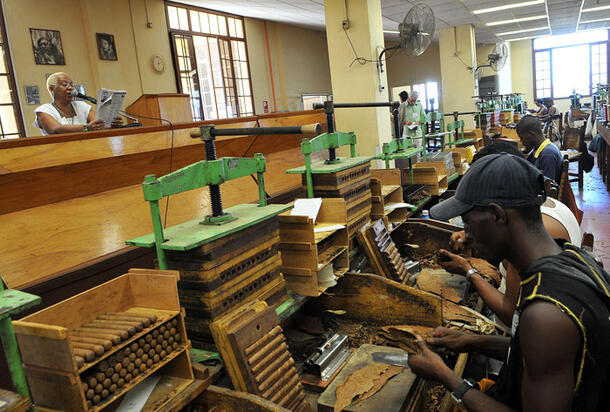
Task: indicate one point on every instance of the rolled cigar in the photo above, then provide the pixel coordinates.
(113, 388)
(145, 357)
(153, 343)
(177, 337)
(130, 368)
(148, 338)
(79, 361)
(118, 367)
(137, 362)
(97, 349)
(142, 322)
(166, 334)
(89, 394)
(120, 383)
(135, 372)
(175, 322)
(103, 330)
(102, 366)
(142, 367)
(155, 333)
(156, 358)
(132, 357)
(164, 344)
(141, 342)
(110, 326)
(175, 345)
(103, 342)
(161, 329)
(149, 363)
(106, 383)
(122, 323)
(109, 372)
(91, 381)
(99, 388)
(158, 348)
(163, 354)
(151, 353)
(87, 355)
(89, 404)
(114, 378)
(84, 386)
(169, 349)
(170, 340)
(140, 352)
(126, 361)
(128, 377)
(122, 373)
(172, 331)
(151, 317)
(96, 399)
(127, 351)
(134, 346)
(105, 393)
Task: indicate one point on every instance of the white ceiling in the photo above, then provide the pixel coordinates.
(562, 15)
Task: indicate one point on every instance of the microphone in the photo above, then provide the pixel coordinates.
(75, 93)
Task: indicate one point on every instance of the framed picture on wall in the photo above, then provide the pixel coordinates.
(47, 46)
(32, 95)
(105, 46)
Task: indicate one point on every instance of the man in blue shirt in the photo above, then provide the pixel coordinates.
(542, 153)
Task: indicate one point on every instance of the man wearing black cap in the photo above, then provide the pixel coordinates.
(557, 358)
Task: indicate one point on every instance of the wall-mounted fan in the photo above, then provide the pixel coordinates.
(416, 32)
(497, 58)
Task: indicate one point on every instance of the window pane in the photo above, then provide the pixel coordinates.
(172, 13)
(7, 117)
(239, 28)
(2, 58)
(231, 22)
(204, 22)
(570, 39)
(570, 70)
(206, 82)
(183, 18)
(213, 24)
(5, 90)
(195, 21)
(222, 25)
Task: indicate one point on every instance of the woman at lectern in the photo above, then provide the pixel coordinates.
(64, 114)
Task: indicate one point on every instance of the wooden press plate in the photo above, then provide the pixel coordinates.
(335, 181)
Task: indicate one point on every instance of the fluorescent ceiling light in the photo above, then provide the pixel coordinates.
(596, 9)
(508, 6)
(522, 31)
(391, 31)
(594, 21)
(498, 23)
(522, 38)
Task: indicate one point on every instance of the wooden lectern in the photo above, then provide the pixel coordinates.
(174, 107)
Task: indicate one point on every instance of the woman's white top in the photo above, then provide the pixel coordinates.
(81, 110)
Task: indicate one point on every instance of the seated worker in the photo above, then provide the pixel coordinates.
(542, 109)
(544, 155)
(558, 220)
(557, 358)
(64, 115)
(411, 118)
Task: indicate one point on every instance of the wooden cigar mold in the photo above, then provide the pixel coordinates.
(257, 359)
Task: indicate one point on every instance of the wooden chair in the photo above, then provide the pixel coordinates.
(572, 150)
(566, 195)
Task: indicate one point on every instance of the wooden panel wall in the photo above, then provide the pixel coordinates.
(71, 200)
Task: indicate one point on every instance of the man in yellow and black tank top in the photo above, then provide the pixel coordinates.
(557, 358)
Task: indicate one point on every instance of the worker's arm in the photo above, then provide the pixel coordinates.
(548, 378)
(457, 341)
(52, 126)
(496, 300)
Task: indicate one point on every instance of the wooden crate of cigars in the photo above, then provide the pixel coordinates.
(86, 352)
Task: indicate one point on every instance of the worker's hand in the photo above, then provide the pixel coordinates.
(453, 263)
(428, 364)
(95, 125)
(117, 122)
(459, 241)
(444, 338)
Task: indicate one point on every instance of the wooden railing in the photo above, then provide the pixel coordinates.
(70, 201)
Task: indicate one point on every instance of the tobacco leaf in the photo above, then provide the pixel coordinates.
(402, 336)
(431, 283)
(364, 383)
(487, 270)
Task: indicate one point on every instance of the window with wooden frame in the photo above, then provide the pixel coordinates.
(11, 122)
(567, 63)
(211, 61)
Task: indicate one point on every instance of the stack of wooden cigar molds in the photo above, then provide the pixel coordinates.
(85, 353)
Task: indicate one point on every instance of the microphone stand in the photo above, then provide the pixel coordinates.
(93, 100)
